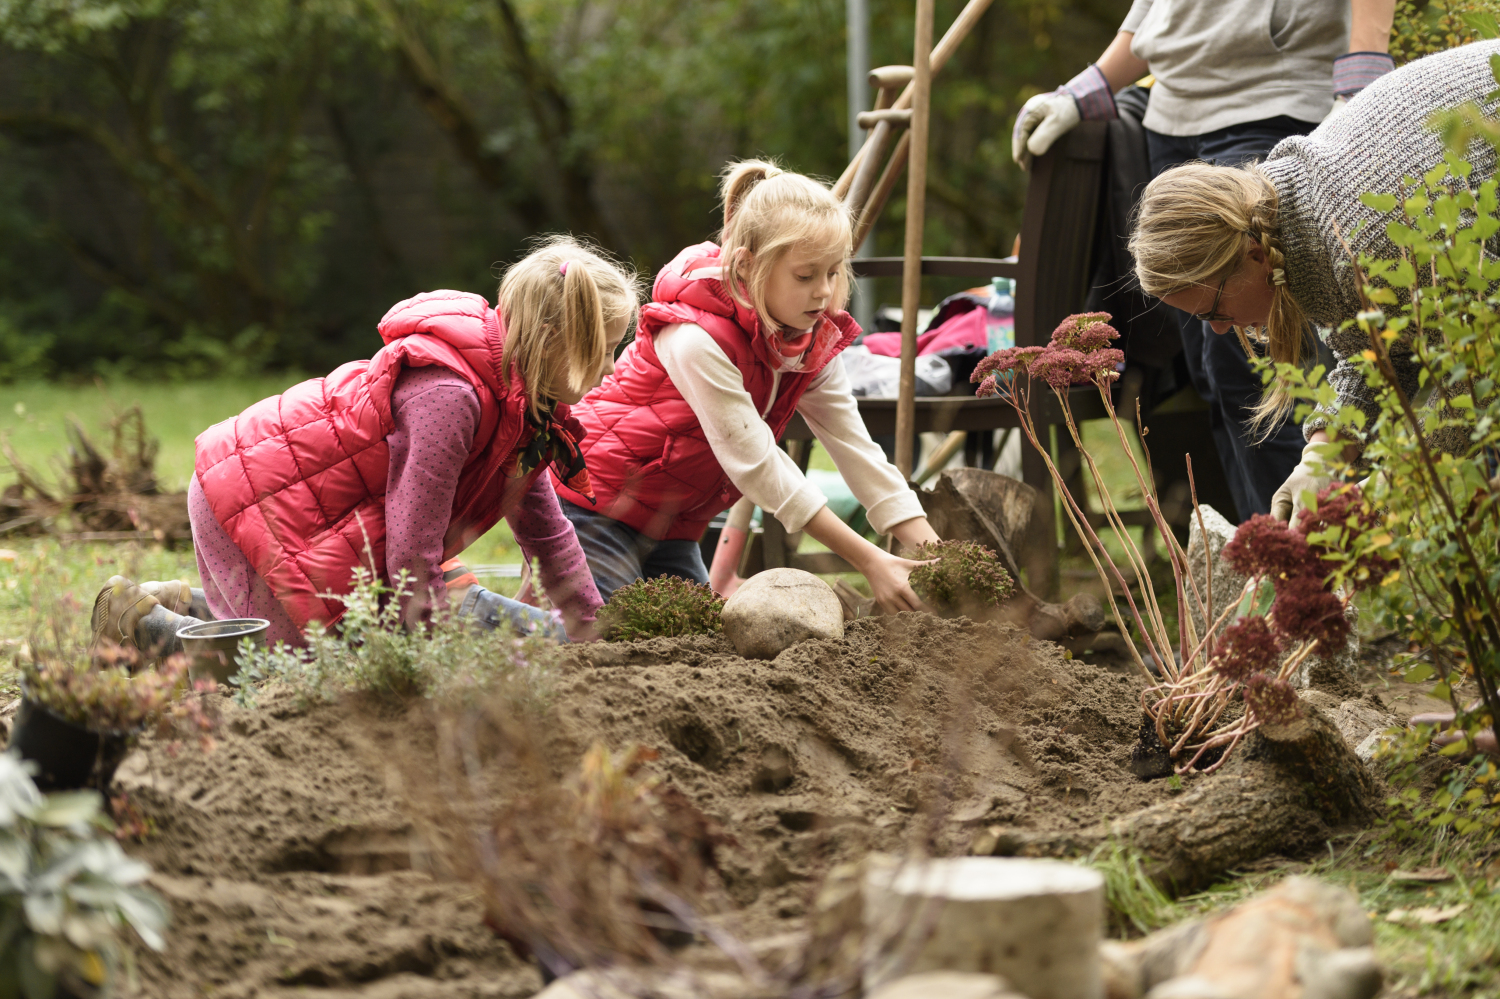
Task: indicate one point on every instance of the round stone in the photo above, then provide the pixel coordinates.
(776, 609)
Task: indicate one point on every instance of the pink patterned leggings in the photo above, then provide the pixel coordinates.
(231, 587)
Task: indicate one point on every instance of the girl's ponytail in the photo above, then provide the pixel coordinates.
(583, 318)
(557, 305)
(737, 180)
(767, 212)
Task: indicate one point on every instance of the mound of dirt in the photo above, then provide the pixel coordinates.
(290, 861)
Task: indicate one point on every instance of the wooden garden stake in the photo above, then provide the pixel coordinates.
(916, 205)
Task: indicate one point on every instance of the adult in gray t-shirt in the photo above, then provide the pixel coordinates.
(1230, 81)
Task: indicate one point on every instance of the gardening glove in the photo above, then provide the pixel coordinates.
(1047, 117)
(1309, 475)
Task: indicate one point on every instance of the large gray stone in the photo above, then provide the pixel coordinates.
(775, 609)
(1228, 585)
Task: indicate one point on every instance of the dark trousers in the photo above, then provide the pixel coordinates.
(1217, 364)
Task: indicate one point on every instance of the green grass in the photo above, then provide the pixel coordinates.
(1460, 957)
(33, 416)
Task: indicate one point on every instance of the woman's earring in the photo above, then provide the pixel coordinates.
(1278, 277)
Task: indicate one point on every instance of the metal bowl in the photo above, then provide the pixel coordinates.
(212, 646)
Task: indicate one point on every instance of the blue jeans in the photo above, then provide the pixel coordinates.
(490, 608)
(619, 554)
(1216, 364)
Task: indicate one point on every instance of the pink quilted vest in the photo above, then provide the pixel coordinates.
(298, 480)
(649, 462)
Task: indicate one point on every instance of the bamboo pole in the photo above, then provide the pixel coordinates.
(916, 205)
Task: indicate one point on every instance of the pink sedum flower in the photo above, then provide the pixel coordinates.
(1272, 700)
(1304, 610)
(1264, 546)
(1246, 647)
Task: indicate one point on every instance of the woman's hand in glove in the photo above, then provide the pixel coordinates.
(1043, 120)
(1310, 475)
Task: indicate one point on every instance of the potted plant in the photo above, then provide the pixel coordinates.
(78, 718)
(67, 893)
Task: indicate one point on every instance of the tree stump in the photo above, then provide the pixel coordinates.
(1037, 923)
(1286, 790)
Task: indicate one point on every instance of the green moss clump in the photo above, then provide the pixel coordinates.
(659, 608)
(966, 575)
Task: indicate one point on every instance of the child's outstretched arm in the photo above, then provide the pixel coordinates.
(746, 448)
(546, 535)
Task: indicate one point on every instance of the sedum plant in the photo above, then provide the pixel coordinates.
(108, 698)
(68, 893)
(1203, 681)
(966, 575)
(664, 607)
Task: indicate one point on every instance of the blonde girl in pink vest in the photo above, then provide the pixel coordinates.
(739, 336)
(398, 463)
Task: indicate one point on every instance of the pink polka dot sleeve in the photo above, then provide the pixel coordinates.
(436, 413)
(547, 536)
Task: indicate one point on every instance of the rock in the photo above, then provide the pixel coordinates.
(947, 985)
(1303, 939)
(1227, 587)
(649, 983)
(775, 609)
(1036, 922)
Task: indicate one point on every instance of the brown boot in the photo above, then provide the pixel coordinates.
(175, 595)
(118, 608)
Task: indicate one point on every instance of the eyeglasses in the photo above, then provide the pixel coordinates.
(1212, 315)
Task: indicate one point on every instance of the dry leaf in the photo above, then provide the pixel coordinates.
(1423, 875)
(1427, 915)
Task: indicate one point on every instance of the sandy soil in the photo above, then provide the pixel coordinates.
(289, 857)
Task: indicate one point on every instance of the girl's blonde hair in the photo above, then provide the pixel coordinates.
(1192, 228)
(767, 212)
(556, 317)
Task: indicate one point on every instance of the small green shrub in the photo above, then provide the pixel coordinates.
(660, 608)
(372, 651)
(965, 575)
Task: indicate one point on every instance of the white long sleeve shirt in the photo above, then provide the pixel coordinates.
(743, 443)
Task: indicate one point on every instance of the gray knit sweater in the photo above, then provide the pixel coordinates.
(1377, 140)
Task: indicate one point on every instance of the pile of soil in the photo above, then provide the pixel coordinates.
(290, 862)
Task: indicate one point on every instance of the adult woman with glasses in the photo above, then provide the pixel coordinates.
(1231, 81)
(1269, 249)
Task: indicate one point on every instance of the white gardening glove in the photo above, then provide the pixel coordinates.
(1339, 104)
(1310, 475)
(1043, 120)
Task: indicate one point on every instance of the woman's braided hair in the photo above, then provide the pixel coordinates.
(1192, 228)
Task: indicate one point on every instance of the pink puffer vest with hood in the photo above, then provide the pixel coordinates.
(650, 465)
(298, 480)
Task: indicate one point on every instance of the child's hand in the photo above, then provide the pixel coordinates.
(888, 576)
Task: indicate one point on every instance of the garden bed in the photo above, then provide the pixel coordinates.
(289, 857)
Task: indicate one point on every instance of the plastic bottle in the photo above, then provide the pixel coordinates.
(1001, 322)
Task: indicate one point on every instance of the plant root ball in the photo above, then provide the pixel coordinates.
(776, 609)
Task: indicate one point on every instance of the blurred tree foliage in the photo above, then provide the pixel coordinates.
(195, 185)
(1423, 27)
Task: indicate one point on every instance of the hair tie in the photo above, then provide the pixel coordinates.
(1278, 276)
(562, 268)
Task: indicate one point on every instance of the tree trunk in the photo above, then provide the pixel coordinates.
(1285, 791)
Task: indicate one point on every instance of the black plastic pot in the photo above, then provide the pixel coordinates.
(68, 756)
